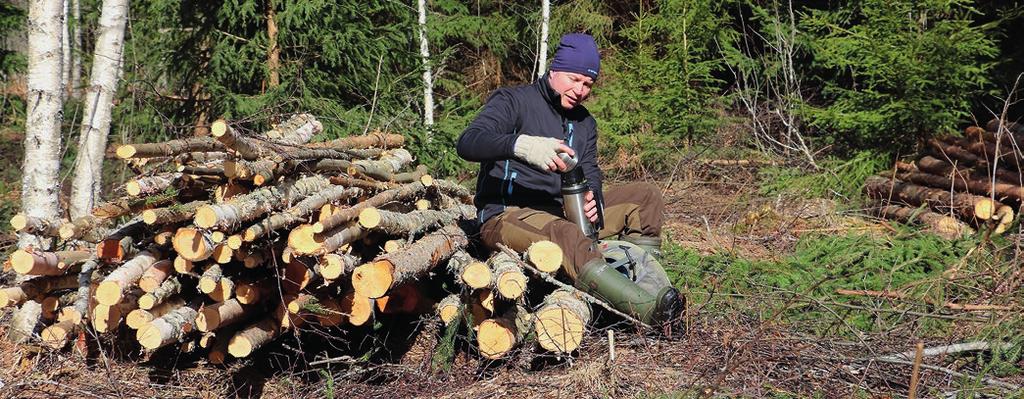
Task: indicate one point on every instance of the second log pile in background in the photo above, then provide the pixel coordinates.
(225, 243)
(959, 184)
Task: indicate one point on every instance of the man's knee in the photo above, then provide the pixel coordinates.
(577, 249)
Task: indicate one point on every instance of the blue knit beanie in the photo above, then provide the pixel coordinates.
(577, 52)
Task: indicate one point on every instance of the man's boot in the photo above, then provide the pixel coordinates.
(650, 244)
(601, 280)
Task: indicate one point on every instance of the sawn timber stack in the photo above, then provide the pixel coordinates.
(958, 184)
(226, 243)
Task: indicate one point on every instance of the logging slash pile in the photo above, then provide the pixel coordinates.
(958, 185)
(225, 243)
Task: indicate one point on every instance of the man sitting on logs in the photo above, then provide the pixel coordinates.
(517, 139)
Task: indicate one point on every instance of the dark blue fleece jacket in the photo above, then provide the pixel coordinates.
(532, 110)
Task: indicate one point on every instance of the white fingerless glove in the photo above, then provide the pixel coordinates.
(537, 151)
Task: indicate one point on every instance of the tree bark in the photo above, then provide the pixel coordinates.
(229, 215)
(99, 103)
(40, 186)
(509, 279)
(969, 207)
(940, 167)
(172, 148)
(542, 52)
(944, 226)
(402, 193)
(273, 51)
(12, 296)
(497, 336)
(373, 280)
(374, 140)
(169, 328)
(126, 276)
(562, 321)
(41, 263)
(428, 76)
(473, 273)
(982, 186)
(412, 223)
(297, 213)
(449, 309)
(26, 322)
(222, 314)
(76, 44)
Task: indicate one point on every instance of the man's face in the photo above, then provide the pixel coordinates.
(573, 88)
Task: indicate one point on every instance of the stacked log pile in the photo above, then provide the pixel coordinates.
(958, 184)
(225, 243)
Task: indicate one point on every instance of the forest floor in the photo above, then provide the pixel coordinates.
(760, 269)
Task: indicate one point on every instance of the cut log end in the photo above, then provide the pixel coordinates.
(147, 302)
(22, 261)
(149, 216)
(235, 241)
(477, 275)
(19, 222)
(108, 293)
(333, 267)
(449, 308)
(149, 336)
(511, 285)
(133, 188)
(422, 204)
(369, 218)
(217, 129)
(206, 217)
(125, 151)
(240, 347)
(559, 330)
(56, 335)
(985, 209)
(304, 239)
(373, 280)
(495, 338)
(192, 245)
(546, 256)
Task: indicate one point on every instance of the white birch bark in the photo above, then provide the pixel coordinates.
(76, 47)
(65, 45)
(428, 78)
(40, 186)
(542, 52)
(99, 102)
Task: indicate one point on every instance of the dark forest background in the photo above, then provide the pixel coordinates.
(807, 82)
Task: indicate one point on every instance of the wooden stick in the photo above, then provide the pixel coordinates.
(915, 374)
(949, 305)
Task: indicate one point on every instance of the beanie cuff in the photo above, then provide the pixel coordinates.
(575, 69)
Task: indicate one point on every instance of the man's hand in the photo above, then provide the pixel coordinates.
(590, 207)
(541, 152)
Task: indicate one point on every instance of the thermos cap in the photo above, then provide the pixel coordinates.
(570, 161)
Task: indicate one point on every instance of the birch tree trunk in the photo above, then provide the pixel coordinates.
(40, 187)
(542, 52)
(428, 78)
(76, 47)
(65, 45)
(273, 51)
(99, 102)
